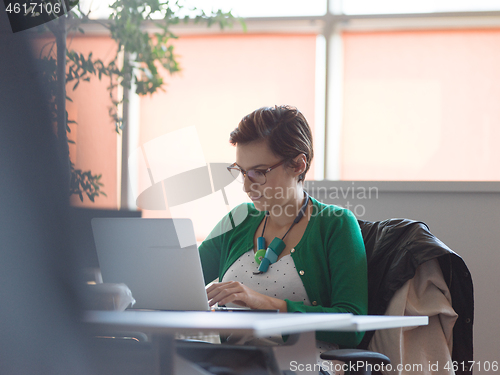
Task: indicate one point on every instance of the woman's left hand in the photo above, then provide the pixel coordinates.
(239, 294)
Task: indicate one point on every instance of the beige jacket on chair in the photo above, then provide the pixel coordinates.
(424, 349)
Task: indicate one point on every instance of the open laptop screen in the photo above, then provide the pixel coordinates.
(146, 255)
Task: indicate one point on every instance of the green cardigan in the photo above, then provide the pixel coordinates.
(331, 253)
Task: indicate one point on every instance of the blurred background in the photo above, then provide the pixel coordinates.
(402, 97)
(394, 91)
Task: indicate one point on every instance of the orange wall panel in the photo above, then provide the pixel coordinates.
(95, 136)
(224, 78)
(421, 105)
(95, 147)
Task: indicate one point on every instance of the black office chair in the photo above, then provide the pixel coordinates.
(395, 248)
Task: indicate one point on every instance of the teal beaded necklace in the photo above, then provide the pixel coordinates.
(266, 257)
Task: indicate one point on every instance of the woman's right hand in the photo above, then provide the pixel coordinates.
(239, 294)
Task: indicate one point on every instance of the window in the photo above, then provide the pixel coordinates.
(421, 6)
(392, 92)
(421, 105)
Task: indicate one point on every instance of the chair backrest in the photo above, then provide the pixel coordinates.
(394, 250)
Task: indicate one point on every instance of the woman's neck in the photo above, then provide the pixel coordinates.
(286, 214)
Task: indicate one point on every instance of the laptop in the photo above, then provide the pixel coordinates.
(157, 259)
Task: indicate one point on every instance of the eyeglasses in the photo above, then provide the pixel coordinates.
(257, 176)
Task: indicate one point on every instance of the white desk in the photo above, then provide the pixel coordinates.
(163, 326)
(257, 324)
(374, 322)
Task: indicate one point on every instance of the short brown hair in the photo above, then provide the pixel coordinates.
(284, 128)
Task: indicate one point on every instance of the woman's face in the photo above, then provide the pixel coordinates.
(281, 182)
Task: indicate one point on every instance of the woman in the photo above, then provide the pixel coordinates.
(321, 261)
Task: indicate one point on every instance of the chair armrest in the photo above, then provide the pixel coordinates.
(354, 355)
